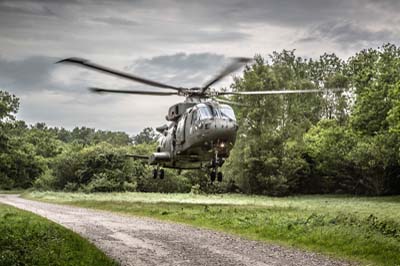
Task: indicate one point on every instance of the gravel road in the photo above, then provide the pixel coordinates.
(144, 241)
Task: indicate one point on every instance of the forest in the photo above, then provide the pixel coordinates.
(336, 142)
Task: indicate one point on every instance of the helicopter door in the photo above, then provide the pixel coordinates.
(180, 131)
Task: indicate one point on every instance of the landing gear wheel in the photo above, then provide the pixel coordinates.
(155, 173)
(162, 173)
(219, 176)
(213, 174)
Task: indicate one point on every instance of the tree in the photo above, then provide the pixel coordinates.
(332, 170)
(9, 105)
(147, 135)
(19, 165)
(270, 156)
(375, 75)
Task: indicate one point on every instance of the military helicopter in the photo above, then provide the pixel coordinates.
(201, 130)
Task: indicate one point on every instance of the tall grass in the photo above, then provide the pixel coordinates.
(360, 228)
(383, 207)
(27, 239)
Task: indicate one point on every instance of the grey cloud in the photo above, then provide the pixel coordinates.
(117, 33)
(28, 74)
(114, 21)
(181, 61)
(385, 4)
(180, 69)
(83, 28)
(209, 12)
(278, 12)
(34, 76)
(203, 35)
(348, 34)
(20, 7)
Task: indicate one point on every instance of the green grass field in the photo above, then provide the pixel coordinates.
(28, 239)
(364, 229)
(13, 191)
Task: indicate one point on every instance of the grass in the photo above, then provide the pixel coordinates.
(364, 229)
(28, 239)
(13, 191)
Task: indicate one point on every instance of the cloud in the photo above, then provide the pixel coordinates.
(115, 21)
(126, 30)
(181, 69)
(347, 34)
(32, 73)
(182, 43)
(25, 8)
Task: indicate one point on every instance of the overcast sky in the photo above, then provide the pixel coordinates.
(182, 43)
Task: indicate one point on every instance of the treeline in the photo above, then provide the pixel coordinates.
(82, 159)
(336, 141)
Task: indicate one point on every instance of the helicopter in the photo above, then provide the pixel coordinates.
(201, 131)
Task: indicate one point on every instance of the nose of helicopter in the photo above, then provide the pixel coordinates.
(222, 128)
(218, 132)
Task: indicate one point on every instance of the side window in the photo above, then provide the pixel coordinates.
(180, 126)
(194, 117)
(180, 131)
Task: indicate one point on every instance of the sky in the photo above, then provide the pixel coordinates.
(179, 42)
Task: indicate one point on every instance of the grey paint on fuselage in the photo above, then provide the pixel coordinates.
(203, 133)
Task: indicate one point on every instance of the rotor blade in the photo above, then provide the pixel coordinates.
(274, 92)
(229, 102)
(161, 93)
(235, 65)
(93, 66)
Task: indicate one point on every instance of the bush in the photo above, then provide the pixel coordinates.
(195, 189)
(46, 181)
(99, 168)
(172, 182)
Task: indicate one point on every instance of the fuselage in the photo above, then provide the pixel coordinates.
(202, 136)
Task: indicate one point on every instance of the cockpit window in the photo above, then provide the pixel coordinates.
(215, 111)
(227, 112)
(204, 112)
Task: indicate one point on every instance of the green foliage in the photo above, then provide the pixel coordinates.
(377, 162)
(27, 239)
(46, 181)
(375, 75)
(8, 108)
(9, 105)
(333, 142)
(327, 150)
(106, 168)
(171, 183)
(98, 168)
(269, 157)
(89, 136)
(19, 165)
(394, 113)
(146, 136)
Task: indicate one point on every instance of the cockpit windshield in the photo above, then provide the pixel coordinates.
(227, 112)
(205, 111)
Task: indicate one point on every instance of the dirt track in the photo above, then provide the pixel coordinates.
(143, 241)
